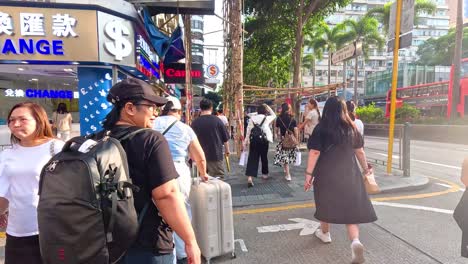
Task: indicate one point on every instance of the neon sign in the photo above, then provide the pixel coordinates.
(28, 46)
(145, 59)
(38, 93)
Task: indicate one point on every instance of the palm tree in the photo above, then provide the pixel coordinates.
(329, 39)
(309, 60)
(366, 31)
(382, 14)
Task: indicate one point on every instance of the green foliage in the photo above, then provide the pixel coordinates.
(371, 114)
(406, 113)
(439, 51)
(366, 30)
(271, 38)
(215, 98)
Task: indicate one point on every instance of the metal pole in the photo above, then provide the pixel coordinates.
(457, 62)
(391, 131)
(406, 149)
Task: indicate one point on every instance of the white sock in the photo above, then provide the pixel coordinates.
(356, 240)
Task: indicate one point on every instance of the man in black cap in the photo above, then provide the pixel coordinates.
(152, 169)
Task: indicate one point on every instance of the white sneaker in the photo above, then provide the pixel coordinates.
(325, 237)
(357, 252)
(288, 177)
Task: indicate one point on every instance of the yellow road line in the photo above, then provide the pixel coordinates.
(454, 188)
(2, 235)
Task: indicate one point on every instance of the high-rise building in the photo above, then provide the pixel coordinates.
(197, 39)
(429, 25)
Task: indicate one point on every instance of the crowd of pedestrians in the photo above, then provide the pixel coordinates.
(157, 161)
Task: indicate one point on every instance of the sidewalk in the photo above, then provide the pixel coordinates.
(277, 190)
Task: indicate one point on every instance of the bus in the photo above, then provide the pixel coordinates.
(433, 99)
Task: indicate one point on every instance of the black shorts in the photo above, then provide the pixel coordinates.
(22, 250)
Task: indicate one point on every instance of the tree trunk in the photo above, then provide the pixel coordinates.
(237, 69)
(344, 80)
(329, 70)
(457, 61)
(188, 69)
(355, 96)
(298, 57)
(313, 72)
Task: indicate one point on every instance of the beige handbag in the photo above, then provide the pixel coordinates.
(371, 185)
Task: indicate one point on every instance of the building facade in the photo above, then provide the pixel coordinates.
(429, 25)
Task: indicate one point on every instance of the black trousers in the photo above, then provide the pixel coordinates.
(22, 250)
(257, 151)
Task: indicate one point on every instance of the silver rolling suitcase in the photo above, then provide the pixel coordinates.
(212, 217)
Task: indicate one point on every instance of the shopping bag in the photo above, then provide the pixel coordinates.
(298, 159)
(371, 185)
(243, 158)
(228, 163)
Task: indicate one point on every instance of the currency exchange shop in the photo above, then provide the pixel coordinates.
(54, 54)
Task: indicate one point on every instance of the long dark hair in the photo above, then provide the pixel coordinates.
(336, 123)
(285, 110)
(43, 129)
(114, 115)
(167, 108)
(313, 102)
(62, 108)
(351, 107)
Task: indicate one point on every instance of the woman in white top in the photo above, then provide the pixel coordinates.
(259, 149)
(20, 168)
(312, 118)
(62, 122)
(352, 114)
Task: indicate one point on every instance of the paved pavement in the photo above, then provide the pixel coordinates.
(277, 190)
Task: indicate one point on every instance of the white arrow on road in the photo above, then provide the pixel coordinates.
(308, 227)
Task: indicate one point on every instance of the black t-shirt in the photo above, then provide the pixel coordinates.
(283, 121)
(212, 134)
(150, 165)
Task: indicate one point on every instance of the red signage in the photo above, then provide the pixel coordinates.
(175, 73)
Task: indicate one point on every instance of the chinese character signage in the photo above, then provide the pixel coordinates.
(146, 59)
(48, 34)
(40, 93)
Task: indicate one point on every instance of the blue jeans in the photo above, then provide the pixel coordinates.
(143, 256)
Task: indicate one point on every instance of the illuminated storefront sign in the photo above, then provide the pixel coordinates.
(175, 73)
(146, 62)
(52, 34)
(48, 34)
(39, 93)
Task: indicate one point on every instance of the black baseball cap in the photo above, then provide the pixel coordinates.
(133, 88)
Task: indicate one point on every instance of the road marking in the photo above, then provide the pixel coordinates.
(437, 164)
(421, 161)
(308, 227)
(454, 188)
(416, 207)
(241, 244)
(444, 185)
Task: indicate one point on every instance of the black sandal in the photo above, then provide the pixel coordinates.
(250, 184)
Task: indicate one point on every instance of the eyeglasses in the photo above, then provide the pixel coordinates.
(151, 107)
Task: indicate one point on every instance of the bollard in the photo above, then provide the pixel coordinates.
(406, 149)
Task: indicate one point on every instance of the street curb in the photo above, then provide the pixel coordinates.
(413, 183)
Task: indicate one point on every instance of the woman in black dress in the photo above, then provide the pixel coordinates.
(332, 170)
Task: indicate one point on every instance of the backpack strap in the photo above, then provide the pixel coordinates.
(131, 134)
(169, 127)
(263, 121)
